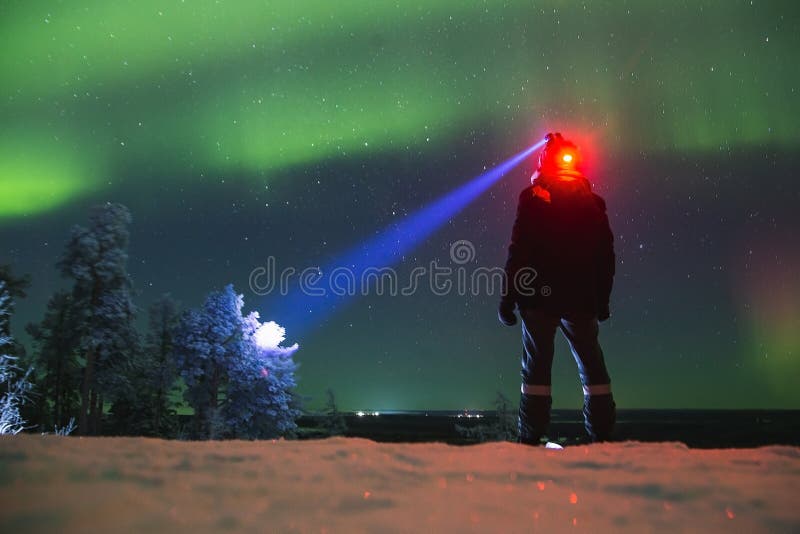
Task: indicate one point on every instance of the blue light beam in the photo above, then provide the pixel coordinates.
(302, 309)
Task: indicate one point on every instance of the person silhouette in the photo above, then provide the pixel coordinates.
(559, 274)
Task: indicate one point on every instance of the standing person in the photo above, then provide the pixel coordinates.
(563, 242)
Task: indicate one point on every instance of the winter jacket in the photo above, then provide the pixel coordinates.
(562, 233)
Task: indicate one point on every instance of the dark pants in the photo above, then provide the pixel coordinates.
(538, 339)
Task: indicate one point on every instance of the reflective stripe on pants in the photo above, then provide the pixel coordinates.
(597, 389)
(536, 389)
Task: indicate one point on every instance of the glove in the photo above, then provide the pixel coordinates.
(603, 313)
(506, 314)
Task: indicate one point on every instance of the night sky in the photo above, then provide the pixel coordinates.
(236, 131)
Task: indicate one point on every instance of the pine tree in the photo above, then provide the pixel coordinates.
(162, 374)
(334, 422)
(56, 340)
(146, 406)
(237, 385)
(95, 258)
(505, 428)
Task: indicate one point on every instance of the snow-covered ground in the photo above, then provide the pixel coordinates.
(55, 484)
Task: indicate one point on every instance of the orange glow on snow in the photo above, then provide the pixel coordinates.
(709, 487)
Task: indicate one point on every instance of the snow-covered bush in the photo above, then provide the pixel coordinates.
(15, 389)
(65, 430)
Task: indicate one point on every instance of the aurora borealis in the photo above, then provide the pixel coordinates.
(235, 131)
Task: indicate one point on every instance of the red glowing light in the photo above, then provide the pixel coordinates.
(573, 498)
(582, 154)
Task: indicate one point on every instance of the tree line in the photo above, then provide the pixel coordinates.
(90, 365)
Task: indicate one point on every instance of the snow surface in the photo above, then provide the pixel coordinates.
(50, 483)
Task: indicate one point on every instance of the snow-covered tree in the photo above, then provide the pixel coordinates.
(260, 403)
(203, 343)
(15, 286)
(502, 428)
(58, 372)
(95, 258)
(14, 384)
(239, 379)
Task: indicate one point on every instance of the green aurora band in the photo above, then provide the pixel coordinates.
(90, 86)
